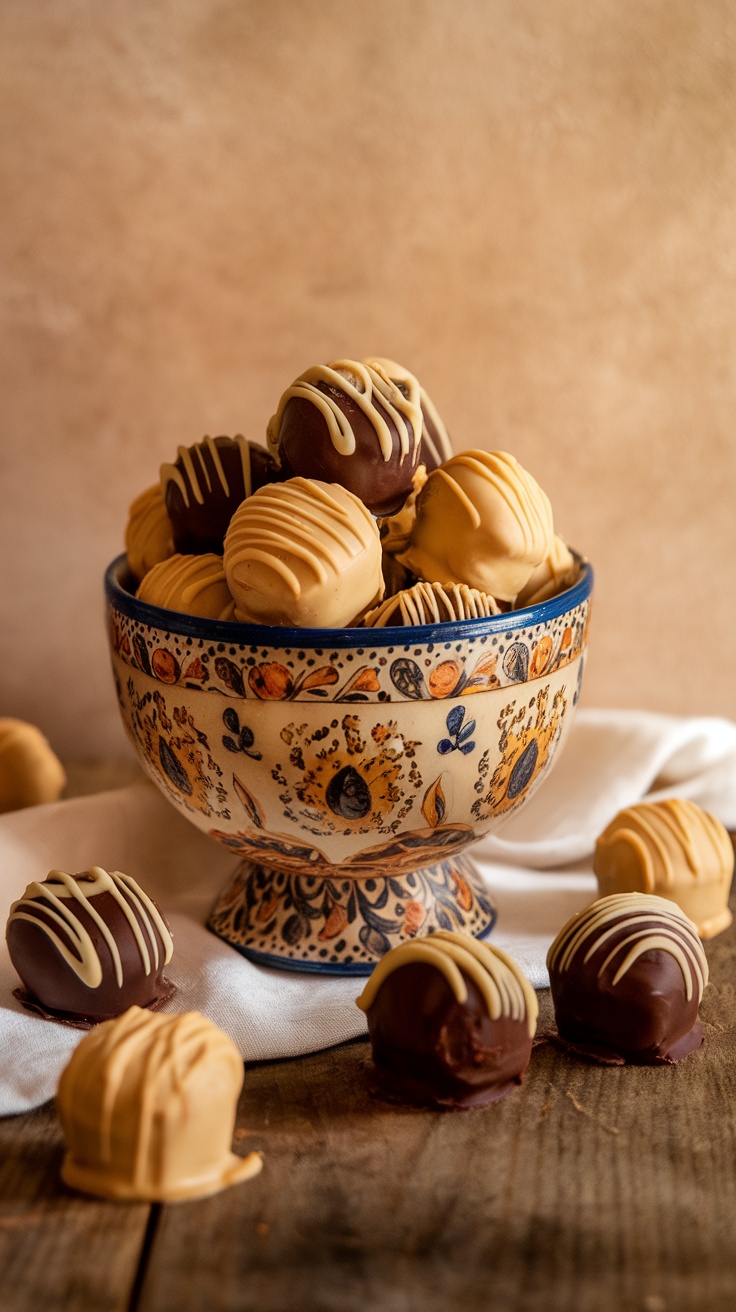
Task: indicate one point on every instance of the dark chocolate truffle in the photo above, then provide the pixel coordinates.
(451, 1021)
(205, 486)
(89, 946)
(348, 423)
(436, 446)
(627, 975)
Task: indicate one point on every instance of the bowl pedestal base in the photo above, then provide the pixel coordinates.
(335, 924)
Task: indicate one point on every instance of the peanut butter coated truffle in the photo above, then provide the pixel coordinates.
(481, 520)
(557, 572)
(451, 1021)
(673, 849)
(88, 946)
(192, 585)
(347, 423)
(303, 554)
(627, 975)
(30, 772)
(147, 1105)
(431, 603)
(149, 535)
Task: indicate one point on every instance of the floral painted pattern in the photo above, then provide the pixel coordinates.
(358, 674)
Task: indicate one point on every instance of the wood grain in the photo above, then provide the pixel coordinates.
(57, 1249)
(590, 1188)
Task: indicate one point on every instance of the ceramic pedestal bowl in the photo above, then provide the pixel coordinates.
(348, 769)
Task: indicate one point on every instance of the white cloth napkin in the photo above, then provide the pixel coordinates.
(538, 871)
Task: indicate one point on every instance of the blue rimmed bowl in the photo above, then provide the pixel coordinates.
(347, 769)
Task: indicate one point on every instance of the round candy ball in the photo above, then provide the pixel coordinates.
(627, 975)
(451, 1021)
(206, 484)
(30, 772)
(347, 423)
(89, 946)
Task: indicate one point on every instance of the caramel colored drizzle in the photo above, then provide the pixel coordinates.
(526, 501)
(656, 924)
(301, 519)
(431, 603)
(504, 988)
(440, 449)
(369, 388)
(177, 583)
(196, 474)
(57, 899)
(664, 832)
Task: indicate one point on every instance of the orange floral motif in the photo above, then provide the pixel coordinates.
(414, 917)
(444, 678)
(335, 923)
(541, 657)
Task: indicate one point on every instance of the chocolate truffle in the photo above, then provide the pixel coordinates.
(192, 585)
(627, 975)
(149, 535)
(303, 553)
(147, 1105)
(436, 446)
(481, 520)
(674, 849)
(431, 603)
(451, 1021)
(30, 772)
(557, 572)
(347, 423)
(207, 483)
(88, 946)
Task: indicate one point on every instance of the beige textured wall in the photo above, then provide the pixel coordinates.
(529, 202)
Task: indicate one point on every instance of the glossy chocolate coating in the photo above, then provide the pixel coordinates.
(306, 449)
(200, 526)
(57, 987)
(645, 1018)
(432, 1050)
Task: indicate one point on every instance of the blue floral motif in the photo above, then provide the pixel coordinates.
(459, 734)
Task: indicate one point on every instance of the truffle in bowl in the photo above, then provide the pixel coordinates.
(347, 769)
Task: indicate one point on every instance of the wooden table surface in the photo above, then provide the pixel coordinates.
(589, 1188)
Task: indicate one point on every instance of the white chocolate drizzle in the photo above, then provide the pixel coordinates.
(657, 925)
(504, 988)
(431, 603)
(372, 391)
(59, 896)
(195, 476)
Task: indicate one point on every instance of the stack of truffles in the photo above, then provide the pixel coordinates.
(356, 513)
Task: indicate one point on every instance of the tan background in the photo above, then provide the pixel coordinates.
(528, 202)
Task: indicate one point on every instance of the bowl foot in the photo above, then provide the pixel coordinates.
(335, 925)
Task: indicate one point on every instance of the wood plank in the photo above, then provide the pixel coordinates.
(59, 1252)
(589, 1188)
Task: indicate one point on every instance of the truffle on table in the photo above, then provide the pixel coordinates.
(451, 1021)
(147, 1105)
(30, 771)
(627, 976)
(89, 946)
(206, 484)
(347, 423)
(672, 848)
